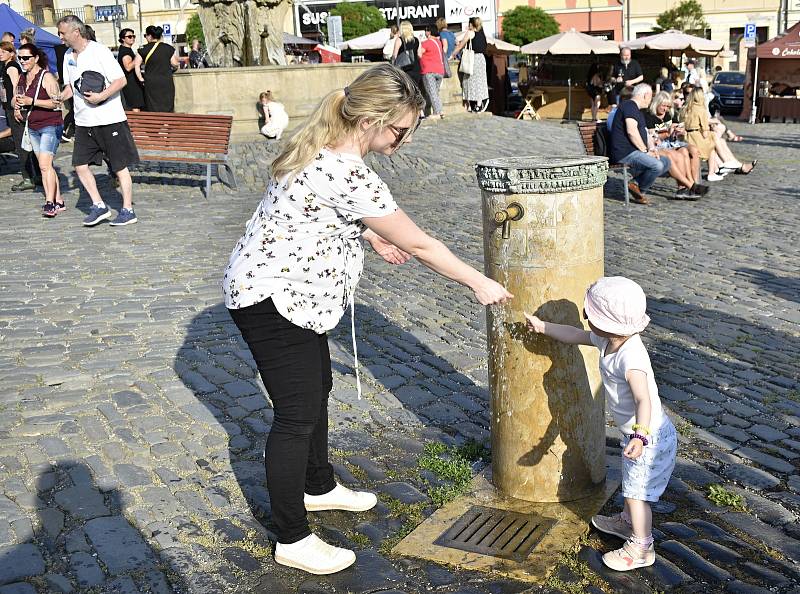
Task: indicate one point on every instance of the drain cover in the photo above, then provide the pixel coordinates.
(496, 532)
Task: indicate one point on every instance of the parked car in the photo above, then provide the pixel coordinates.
(728, 90)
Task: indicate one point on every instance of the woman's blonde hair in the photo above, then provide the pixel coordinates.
(382, 96)
(476, 23)
(695, 102)
(658, 99)
(8, 46)
(266, 95)
(406, 31)
(664, 72)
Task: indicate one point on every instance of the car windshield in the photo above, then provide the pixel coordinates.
(730, 78)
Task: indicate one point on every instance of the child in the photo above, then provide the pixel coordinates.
(615, 308)
(272, 115)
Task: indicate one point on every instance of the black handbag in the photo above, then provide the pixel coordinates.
(90, 82)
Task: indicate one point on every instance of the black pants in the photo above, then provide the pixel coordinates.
(295, 365)
(28, 164)
(69, 119)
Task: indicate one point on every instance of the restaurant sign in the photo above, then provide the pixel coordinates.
(420, 14)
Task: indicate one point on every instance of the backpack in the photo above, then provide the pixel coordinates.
(602, 141)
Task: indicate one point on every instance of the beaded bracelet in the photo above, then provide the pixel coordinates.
(641, 438)
(637, 428)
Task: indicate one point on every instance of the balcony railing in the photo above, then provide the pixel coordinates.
(35, 16)
(78, 11)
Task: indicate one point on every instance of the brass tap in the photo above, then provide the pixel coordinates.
(512, 212)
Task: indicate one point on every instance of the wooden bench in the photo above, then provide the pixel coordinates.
(184, 138)
(586, 130)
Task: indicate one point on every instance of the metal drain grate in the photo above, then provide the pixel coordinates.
(496, 532)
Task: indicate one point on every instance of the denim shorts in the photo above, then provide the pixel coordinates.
(646, 478)
(46, 140)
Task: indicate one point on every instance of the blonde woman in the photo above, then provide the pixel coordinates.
(407, 51)
(292, 276)
(475, 86)
(721, 160)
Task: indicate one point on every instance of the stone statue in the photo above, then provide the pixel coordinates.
(244, 32)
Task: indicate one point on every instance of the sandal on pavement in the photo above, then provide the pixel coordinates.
(741, 171)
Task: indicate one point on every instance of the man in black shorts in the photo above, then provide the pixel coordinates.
(94, 79)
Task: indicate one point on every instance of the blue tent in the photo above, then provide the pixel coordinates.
(16, 23)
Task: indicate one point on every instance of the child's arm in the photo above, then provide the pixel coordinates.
(560, 332)
(637, 380)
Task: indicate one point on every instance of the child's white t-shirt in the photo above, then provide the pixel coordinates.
(613, 368)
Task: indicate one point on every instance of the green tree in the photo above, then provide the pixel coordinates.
(687, 17)
(524, 24)
(194, 30)
(358, 18)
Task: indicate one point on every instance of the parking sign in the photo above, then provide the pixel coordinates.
(167, 29)
(750, 35)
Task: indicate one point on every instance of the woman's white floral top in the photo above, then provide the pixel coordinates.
(302, 246)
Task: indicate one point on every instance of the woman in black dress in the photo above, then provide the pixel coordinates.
(132, 92)
(158, 61)
(406, 53)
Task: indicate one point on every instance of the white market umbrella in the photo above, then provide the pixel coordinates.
(373, 41)
(570, 43)
(674, 40)
(495, 46)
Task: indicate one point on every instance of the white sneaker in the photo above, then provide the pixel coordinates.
(314, 556)
(713, 177)
(341, 498)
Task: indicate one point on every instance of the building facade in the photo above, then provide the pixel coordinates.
(602, 18)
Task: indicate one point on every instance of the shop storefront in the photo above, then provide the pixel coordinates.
(310, 17)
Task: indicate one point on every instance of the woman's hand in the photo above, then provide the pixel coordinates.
(489, 292)
(387, 250)
(634, 449)
(535, 324)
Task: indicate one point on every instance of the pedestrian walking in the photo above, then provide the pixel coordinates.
(94, 80)
(38, 103)
(293, 274)
(615, 310)
(154, 64)
(67, 107)
(432, 63)
(475, 84)
(10, 71)
(406, 53)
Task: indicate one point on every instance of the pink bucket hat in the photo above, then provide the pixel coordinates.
(617, 305)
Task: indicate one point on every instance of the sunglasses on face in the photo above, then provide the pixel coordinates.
(403, 135)
(130, 37)
(24, 57)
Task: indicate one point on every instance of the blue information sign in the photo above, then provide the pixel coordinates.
(750, 35)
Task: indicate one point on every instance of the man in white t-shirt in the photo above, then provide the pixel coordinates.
(94, 79)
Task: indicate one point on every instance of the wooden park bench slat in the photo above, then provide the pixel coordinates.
(184, 138)
(586, 131)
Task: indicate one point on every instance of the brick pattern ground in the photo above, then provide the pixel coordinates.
(132, 421)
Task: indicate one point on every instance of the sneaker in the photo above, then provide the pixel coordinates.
(49, 210)
(65, 138)
(630, 556)
(314, 556)
(125, 216)
(23, 186)
(713, 177)
(613, 525)
(96, 214)
(60, 207)
(700, 189)
(680, 194)
(341, 498)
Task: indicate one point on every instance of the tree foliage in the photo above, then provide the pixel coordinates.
(687, 17)
(524, 24)
(358, 18)
(194, 30)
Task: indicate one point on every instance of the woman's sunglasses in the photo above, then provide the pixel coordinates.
(403, 135)
(24, 57)
(130, 37)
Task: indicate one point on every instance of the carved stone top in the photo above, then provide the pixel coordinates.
(541, 175)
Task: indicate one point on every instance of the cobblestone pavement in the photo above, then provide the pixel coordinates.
(132, 422)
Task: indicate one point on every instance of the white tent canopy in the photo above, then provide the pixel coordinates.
(373, 40)
(570, 42)
(673, 40)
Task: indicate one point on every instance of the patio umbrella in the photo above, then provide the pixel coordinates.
(295, 40)
(570, 43)
(673, 40)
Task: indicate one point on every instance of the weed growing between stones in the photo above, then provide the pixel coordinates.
(413, 516)
(569, 565)
(450, 464)
(720, 496)
(685, 428)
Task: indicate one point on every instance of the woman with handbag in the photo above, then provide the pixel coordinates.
(38, 104)
(407, 52)
(474, 84)
(432, 63)
(10, 71)
(159, 62)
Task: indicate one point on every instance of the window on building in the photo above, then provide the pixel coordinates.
(736, 34)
